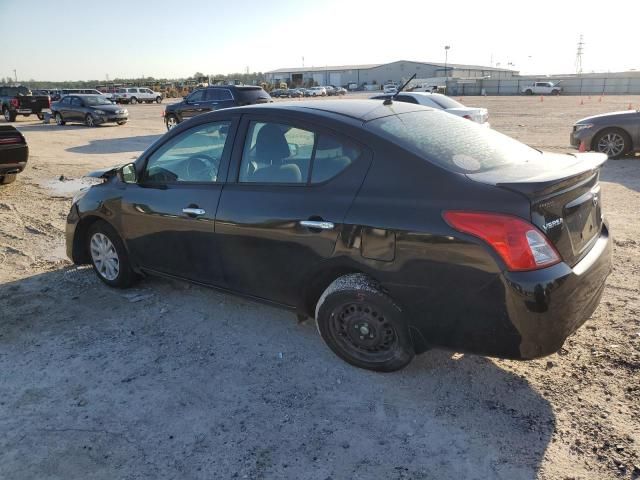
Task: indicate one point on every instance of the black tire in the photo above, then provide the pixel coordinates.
(171, 121)
(158, 99)
(125, 275)
(7, 179)
(89, 121)
(528, 92)
(615, 135)
(40, 116)
(59, 120)
(133, 100)
(363, 325)
(9, 116)
(122, 122)
(555, 92)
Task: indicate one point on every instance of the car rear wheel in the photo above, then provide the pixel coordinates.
(363, 325)
(613, 142)
(89, 121)
(59, 120)
(171, 121)
(7, 179)
(121, 122)
(40, 116)
(133, 100)
(9, 116)
(108, 256)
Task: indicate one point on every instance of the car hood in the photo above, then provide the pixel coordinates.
(173, 106)
(607, 116)
(104, 172)
(107, 108)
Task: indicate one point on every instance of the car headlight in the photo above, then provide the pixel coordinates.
(124, 111)
(582, 126)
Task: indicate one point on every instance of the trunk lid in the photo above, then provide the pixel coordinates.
(33, 102)
(565, 197)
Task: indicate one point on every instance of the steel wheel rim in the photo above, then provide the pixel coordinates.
(104, 256)
(89, 121)
(612, 144)
(58, 119)
(363, 331)
(171, 122)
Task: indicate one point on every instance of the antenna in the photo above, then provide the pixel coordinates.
(579, 53)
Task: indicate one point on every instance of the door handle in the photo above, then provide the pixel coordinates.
(322, 225)
(193, 211)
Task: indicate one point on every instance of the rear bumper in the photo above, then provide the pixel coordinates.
(515, 315)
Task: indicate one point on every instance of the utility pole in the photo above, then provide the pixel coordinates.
(302, 62)
(15, 74)
(579, 53)
(446, 59)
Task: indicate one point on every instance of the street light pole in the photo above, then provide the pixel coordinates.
(15, 75)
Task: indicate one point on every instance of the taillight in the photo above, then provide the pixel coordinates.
(15, 103)
(11, 140)
(49, 102)
(519, 243)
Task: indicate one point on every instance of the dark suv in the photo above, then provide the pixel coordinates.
(213, 98)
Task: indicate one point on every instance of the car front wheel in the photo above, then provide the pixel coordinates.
(108, 256)
(613, 142)
(171, 121)
(158, 99)
(363, 325)
(89, 121)
(59, 120)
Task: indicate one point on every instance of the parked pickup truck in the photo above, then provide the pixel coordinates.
(541, 88)
(16, 101)
(14, 153)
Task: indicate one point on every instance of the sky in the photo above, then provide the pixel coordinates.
(95, 40)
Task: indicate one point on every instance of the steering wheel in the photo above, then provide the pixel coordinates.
(201, 167)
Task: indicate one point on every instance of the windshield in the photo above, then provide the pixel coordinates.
(444, 101)
(452, 142)
(97, 100)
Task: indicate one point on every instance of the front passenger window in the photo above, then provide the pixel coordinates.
(193, 156)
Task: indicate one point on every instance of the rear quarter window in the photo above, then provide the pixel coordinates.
(453, 143)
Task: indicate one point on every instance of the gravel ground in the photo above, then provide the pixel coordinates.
(169, 380)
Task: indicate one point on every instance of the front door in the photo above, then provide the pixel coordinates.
(193, 104)
(168, 216)
(282, 218)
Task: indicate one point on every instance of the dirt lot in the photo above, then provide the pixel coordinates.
(174, 381)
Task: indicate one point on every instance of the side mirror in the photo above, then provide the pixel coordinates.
(128, 173)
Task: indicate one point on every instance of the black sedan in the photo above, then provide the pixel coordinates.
(397, 227)
(615, 134)
(92, 110)
(14, 153)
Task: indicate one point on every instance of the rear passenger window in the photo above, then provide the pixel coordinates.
(332, 156)
(281, 153)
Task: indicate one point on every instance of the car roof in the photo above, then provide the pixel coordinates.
(363, 110)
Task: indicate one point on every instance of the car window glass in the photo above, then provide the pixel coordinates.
(197, 96)
(76, 102)
(193, 156)
(276, 153)
(452, 142)
(332, 155)
(406, 98)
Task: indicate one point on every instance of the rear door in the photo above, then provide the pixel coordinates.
(168, 216)
(76, 110)
(282, 217)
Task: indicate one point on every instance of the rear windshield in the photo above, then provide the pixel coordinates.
(444, 101)
(253, 94)
(452, 142)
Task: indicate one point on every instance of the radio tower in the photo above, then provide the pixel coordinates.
(579, 53)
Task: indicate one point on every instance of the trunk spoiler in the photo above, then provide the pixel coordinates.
(538, 180)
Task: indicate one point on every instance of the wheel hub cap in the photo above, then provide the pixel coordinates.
(104, 256)
(363, 328)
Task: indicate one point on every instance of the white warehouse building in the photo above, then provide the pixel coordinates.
(379, 74)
